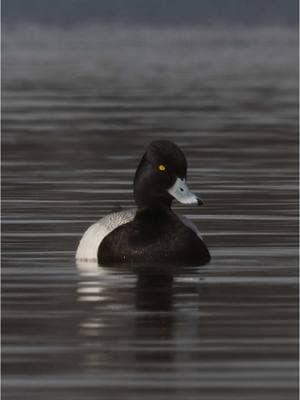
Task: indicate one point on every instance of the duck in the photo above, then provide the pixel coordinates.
(152, 232)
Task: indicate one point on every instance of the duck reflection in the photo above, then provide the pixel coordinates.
(154, 291)
(155, 319)
(130, 310)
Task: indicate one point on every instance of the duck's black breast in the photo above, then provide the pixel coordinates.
(153, 236)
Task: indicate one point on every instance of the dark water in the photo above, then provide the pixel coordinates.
(79, 108)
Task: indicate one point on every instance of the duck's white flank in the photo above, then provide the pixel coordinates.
(87, 250)
(88, 246)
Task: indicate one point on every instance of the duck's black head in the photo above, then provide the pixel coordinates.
(161, 177)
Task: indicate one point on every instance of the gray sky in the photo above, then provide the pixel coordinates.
(187, 12)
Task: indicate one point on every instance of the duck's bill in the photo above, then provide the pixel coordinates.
(181, 192)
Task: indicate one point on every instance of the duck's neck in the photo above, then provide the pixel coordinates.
(154, 203)
(154, 212)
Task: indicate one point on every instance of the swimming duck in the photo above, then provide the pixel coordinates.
(151, 233)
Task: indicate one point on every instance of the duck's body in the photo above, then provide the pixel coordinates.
(152, 232)
(154, 235)
(89, 244)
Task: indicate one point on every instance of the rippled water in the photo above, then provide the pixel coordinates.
(79, 108)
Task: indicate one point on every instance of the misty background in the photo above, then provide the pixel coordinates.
(158, 12)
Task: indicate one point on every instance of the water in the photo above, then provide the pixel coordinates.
(79, 108)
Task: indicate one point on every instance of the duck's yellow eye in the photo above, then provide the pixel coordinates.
(161, 167)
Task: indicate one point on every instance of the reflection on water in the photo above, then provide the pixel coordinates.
(191, 324)
(73, 133)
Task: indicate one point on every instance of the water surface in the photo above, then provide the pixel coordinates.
(79, 108)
